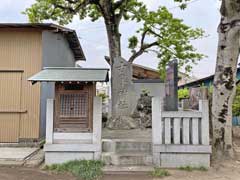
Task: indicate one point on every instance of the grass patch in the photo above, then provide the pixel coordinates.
(83, 169)
(190, 168)
(158, 172)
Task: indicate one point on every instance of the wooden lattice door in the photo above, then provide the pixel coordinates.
(73, 108)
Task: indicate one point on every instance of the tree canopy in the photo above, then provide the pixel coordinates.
(160, 32)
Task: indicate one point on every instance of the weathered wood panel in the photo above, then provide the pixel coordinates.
(74, 108)
(22, 50)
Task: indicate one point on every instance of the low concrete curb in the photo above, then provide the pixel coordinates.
(127, 169)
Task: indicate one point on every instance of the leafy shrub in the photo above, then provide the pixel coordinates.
(183, 93)
(159, 173)
(103, 96)
(190, 168)
(83, 169)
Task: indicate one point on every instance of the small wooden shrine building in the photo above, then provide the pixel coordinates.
(74, 116)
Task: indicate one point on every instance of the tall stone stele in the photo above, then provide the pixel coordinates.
(171, 99)
(123, 96)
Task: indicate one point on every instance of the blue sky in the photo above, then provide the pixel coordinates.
(200, 13)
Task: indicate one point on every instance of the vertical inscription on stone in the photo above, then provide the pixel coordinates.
(123, 83)
(123, 92)
(171, 100)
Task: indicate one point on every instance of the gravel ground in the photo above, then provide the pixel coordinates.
(226, 171)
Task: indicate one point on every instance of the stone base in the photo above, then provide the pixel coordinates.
(62, 157)
(61, 153)
(127, 159)
(179, 160)
(174, 156)
(127, 152)
(122, 122)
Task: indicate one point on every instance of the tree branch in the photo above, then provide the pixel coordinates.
(79, 6)
(141, 50)
(117, 5)
(72, 1)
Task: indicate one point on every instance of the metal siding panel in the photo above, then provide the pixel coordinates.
(9, 127)
(22, 50)
(10, 86)
(10, 95)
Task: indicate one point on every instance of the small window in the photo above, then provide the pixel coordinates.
(74, 105)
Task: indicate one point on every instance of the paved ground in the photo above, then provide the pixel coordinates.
(226, 171)
(15, 155)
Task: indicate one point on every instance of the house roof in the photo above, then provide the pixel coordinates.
(143, 72)
(70, 74)
(200, 81)
(70, 34)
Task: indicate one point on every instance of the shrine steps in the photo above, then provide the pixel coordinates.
(127, 152)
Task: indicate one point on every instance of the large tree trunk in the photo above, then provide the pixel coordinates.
(225, 79)
(122, 91)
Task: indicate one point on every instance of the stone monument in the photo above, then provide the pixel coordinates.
(171, 99)
(123, 96)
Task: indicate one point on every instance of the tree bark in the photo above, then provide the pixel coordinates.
(225, 79)
(121, 70)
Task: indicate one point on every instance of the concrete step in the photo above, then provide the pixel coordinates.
(127, 169)
(135, 159)
(126, 146)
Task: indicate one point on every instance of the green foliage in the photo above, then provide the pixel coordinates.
(183, 93)
(236, 102)
(186, 168)
(159, 173)
(160, 33)
(145, 92)
(84, 169)
(190, 168)
(171, 38)
(133, 41)
(103, 96)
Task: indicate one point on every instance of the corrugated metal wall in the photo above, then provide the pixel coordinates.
(10, 106)
(20, 50)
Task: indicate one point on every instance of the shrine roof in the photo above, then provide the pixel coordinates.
(58, 74)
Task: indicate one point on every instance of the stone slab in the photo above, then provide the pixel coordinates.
(175, 160)
(121, 146)
(72, 147)
(135, 134)
(16, 154)
(127, 159)
(182, 149)
(35, 160)
(117, 169)
(61, 157)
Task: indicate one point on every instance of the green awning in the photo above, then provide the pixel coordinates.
(71, 74)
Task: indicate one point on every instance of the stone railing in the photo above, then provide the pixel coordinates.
(180, 138)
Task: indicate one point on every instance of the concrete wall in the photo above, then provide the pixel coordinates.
(55, 53)
(155, 88)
